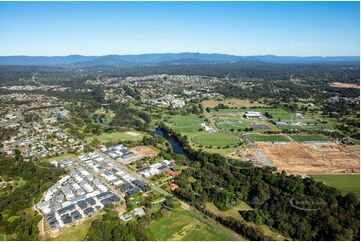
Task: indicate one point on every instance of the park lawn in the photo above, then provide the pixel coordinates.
(232, 102)
(268, 137)
(186, 225)
(186, 124)
(214, 139)
(118, 137)
(345, 183)
(305, 138)
(234, 213)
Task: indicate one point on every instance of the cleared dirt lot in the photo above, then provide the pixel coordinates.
(344, 85)
(313, 158)
(145, 151)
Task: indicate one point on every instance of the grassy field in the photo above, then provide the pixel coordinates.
(118, 137)
(232, 102)
(305, 138)
(62, 157)
(186, 225)
(232, 125)
(214, 139)
(186, 124)
(345, 183)
(77, 232)
(234, 213)
(268, 138)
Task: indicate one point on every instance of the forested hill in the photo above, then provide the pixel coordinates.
(164, 59)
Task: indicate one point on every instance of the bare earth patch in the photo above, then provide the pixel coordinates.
(144, 151)
(344, 85)
(185, 206)
(314, 158)
(298, 158)
(132, 133)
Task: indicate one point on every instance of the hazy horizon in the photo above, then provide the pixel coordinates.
(130, 28)
(161, 53)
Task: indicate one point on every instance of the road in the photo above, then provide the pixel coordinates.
(133, 173)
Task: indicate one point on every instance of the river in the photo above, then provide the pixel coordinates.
(176, 146)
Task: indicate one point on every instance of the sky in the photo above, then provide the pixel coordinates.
(239, 28)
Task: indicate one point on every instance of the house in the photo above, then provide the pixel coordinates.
(299, 115)
(138, 212)
(171, 173)
(88, 211)
(173, 186)
(252, 114)
(208, 128)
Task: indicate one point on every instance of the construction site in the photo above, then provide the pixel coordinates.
(303, 158)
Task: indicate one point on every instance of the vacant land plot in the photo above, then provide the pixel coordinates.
(268, 137)
(183, 225)
(233, 103)
(147, 151)
(305, 138)
(214, 139)
(186, 124)
(300, 158)
(345, 183)
(119, 137)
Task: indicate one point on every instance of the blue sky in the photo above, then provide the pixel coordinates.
(241, 28)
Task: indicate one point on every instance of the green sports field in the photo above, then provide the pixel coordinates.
(233, 125)
(187, 225)
(214, 139)
(305, 138)
(186, 124)
(346, 183)
(268, 137)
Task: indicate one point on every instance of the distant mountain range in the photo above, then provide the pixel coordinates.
(79, 61)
